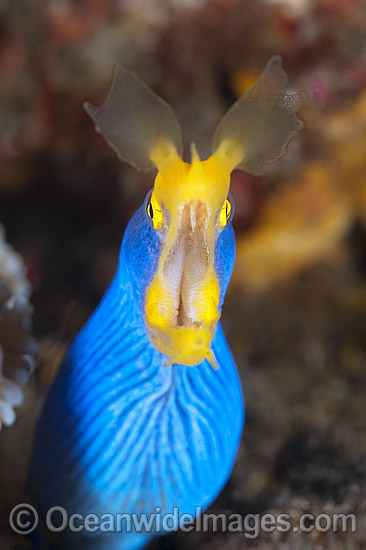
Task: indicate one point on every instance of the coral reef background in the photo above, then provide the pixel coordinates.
(295, 315)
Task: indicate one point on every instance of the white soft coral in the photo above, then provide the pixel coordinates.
(10, 396)
(17, 349)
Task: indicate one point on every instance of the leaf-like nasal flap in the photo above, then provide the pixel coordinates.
(259, 126)
(133, 120)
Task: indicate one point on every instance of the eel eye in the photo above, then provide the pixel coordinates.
(154, 211)
(227, 211)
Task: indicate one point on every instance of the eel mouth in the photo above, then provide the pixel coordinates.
(182, 300)
(186, 264)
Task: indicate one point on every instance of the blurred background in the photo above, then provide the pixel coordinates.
(295, 313)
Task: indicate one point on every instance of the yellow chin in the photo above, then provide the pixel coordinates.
(184, 345)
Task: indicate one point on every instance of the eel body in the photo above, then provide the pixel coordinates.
(122, 433)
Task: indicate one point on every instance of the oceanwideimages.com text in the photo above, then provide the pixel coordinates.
(24, 520)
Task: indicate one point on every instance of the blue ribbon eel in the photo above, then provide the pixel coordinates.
(146, 412)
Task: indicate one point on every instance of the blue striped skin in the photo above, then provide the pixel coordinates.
(120, 432)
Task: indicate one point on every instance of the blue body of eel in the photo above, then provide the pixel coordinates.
(122, 433)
